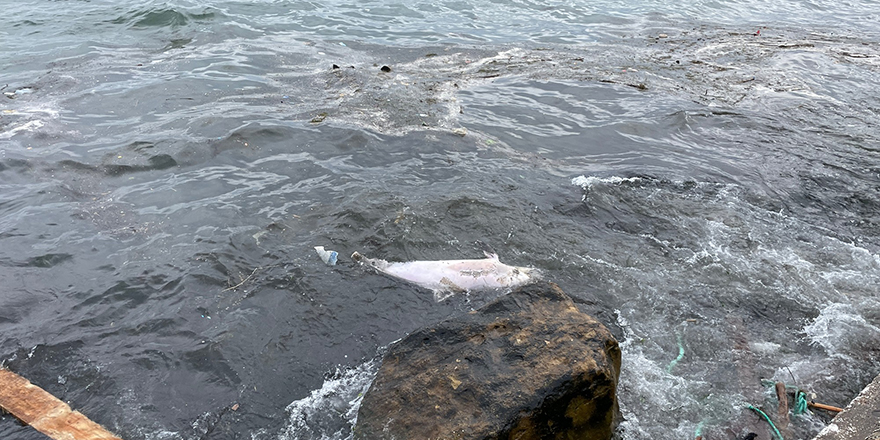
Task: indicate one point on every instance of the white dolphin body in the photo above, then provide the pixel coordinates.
(446, 277)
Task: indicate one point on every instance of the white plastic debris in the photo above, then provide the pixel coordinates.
(327, 256)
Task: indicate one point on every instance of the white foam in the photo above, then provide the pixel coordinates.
(764, 347)
(588, 182)
(645, 385)
(161, 435)
(836, 325)
(830, 429)
(330, 413)
(27, 126)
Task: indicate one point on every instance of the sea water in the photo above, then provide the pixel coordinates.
(704, 178)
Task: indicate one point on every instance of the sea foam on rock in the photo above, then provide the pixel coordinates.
(528, 365)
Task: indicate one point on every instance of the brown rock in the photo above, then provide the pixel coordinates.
(528, 365)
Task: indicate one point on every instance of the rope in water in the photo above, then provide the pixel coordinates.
(680, 354)
(767, 418)
(800, 406)
(800, 397)
(699, 431)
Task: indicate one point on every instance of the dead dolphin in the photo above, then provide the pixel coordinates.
(447, 277)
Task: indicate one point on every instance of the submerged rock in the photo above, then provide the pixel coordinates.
(528, 365)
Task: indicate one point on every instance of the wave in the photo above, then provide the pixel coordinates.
(159, 18)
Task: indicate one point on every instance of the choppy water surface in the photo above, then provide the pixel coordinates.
(702, 177)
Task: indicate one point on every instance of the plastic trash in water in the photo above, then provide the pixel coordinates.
(328, 257)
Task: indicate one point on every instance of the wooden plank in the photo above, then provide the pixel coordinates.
(44, 412)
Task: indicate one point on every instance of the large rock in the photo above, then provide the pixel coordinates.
(859, 420)
(529, 365)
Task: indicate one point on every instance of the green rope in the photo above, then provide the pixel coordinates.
(699, 431)
(680, 354)
(800, 397)
(776, 431)
(800, 406)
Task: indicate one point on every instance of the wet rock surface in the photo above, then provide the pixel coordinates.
(859, 419)
(528, 365)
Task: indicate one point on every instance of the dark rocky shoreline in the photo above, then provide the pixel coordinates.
(528, 365)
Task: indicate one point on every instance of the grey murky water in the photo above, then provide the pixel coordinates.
(707, 173)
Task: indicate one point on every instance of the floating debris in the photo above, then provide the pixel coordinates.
(327, 256)
(320, 118)
(44, 412)
(830, 408)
